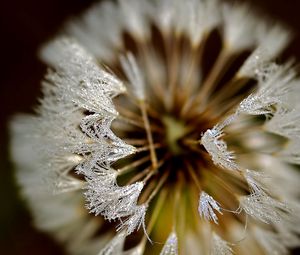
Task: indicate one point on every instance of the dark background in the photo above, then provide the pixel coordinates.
(24, 26)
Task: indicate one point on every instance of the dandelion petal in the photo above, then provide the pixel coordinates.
(219, 246)
(206, 207)
(115, 246)
(217, 149)
(171, 245)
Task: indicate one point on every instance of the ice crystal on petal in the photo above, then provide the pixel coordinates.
(206, 207)
(171, 245)
(254, 180)
(219, 246)
(100, 171)
(263, 208)
(111, 200)
(134, 221)
(217, 149)
(275, 84)
(78, 65)
(257, 104)
(98, 128)
(126, 201)
(81, 81)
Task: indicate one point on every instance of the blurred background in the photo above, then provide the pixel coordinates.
(24, 26)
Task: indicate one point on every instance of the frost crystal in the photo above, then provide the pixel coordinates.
(206, 207)
(274, 86)
(81, 81)
(219, 246)
(98, 128)
(253, 179)
(112, 201)
(263, 208)
(217, 149)
(135, 220)
(171, 245)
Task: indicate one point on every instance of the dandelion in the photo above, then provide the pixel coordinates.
(152, 115)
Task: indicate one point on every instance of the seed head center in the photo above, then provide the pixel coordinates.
(175, 129)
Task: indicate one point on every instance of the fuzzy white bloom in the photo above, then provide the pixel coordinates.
(112, 158)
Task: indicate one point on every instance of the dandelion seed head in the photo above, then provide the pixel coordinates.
(142, 139)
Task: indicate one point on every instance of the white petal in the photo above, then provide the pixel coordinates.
(219, 246)
(196, 18)
(239, 26)
(134, 75)
(91, 30)
(270, 242)
(291, 152)
(285, 123)
(171, 245)
(115, 246)
(272, 91)
(135, 16)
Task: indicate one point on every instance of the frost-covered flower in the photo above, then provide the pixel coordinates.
(165, 122)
